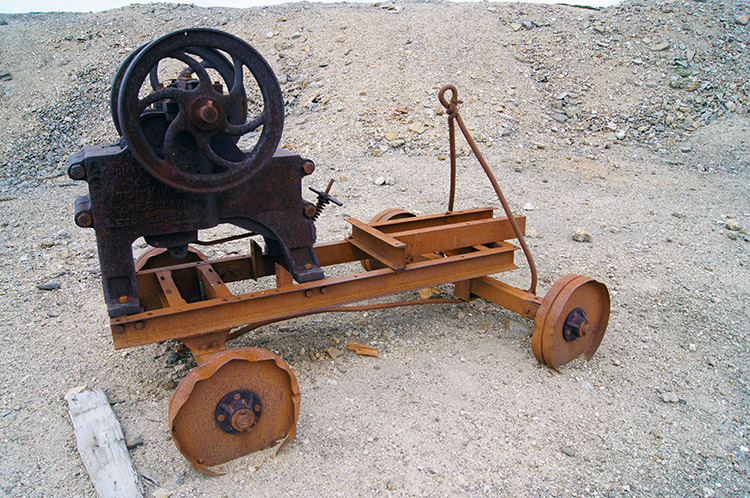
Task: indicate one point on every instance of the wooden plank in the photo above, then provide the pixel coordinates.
(102, 445)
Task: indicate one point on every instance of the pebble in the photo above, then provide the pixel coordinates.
(162, 493)
(559, 117)
(539, 145)
(134, 441)
(528, 207)
(743, 20)
(670, 397)
(380, 180)
(3, 22)
(686, 148)
(5, 76)
(417, 128)
(295, 35)
(660, 47)
(691, 347)
(49, 286)
(46, 243)
(316, 84)
(732, 224)
(582, 235)
(568, 451)
(731, 106)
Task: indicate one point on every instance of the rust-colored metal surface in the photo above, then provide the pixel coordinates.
(177, 169)
(571, 320)
(262, 407)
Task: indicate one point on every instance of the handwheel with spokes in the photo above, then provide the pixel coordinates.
(198, 152)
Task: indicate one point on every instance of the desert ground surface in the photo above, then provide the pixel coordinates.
(629, 122)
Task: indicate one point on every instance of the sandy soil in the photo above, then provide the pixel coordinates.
(588, 121)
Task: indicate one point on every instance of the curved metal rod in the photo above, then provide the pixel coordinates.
(365, 307)
(453, 115)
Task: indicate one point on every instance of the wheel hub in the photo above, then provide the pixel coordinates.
(238, 411)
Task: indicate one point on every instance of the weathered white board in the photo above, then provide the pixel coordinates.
(102, 445)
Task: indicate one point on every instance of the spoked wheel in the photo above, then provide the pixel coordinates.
(184, 130)
(571, 320)
(385, 215)
(234, 403)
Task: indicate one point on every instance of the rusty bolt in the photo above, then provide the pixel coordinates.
(308, 266)
(237, 396)
(119, 329)
(123, 299)
(310, 211)
(308, 293)
(208, 113)
(242, 420)
(139, 325)
(324, 290)
(84, 219)
(77, 172)
(256, 408)
(221, 418)
(308, 167)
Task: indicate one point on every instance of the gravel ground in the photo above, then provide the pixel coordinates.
(630, 122)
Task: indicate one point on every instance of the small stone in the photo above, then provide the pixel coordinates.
(582, 235)
(533, 234)
(610, 136)
(711, 361)
(390, 136)
(693, 86)
(5, 76)
(417, 128)
(295, 35)
(162, 493)
(515, 26)
(669, 397)
(660, 47)
(334, 352)
(316, 84)
(134, 441)
(528, 207)
(46, 243)
(686, 148)
(731, 236)
(529, 25)
(539, 145)
(49, 286)
(269, 34)
(380, 180)
(742, 20)
(173, 357)
(559, 117)
(505, 132)
(691, 347)
(732, 224)
(568, 451)
(731, 106)
(3, 22)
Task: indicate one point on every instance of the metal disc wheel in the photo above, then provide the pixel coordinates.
(184, 130)
(234, 403)
(571, 320)
(385, 215)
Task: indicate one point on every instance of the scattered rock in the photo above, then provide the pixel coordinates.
(582, 235)
(669, 397)
(539, 145)
(49, 286)
(380, 180)
(162, 493)
(559, 117)
(568, 451)
(3, 22)
(134, 441)
(733, 225)
(660, 47)
(743, 19)
(429, 292)
(5, 76)
(334, 353)
(46, 243)
(417, 128)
